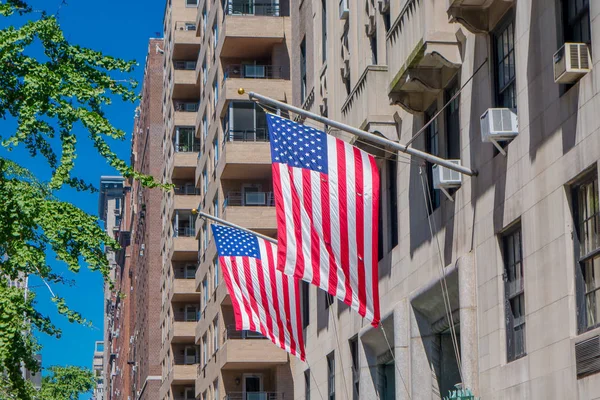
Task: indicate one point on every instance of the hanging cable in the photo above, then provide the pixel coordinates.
(443, 283)
(395, 363)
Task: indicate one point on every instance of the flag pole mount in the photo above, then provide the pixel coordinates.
(362, 134)
(227, 223)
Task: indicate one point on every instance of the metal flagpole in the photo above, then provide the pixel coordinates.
(227, 223)
(363, 134)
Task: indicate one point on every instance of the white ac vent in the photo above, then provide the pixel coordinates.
(445, 178)
(344, 10)
(571, 62)
(587, 357)
(499, 124)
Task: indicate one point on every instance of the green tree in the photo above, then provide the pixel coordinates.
(47, 96)
(66, 383)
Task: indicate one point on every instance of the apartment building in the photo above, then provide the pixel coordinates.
(217, 156)
(98, 369)
(177, 252)
(515, 248)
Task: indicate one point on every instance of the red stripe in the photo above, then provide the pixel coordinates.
(263, 293)
(296, 284)
(236, 279)
(374, 261)
(343, 222)
(326, 221)
(237, 312)
(273, 283)
(360, 226)
(280, 214)
(252, 296)
(314, 237)
(288, 311)
(296, 210)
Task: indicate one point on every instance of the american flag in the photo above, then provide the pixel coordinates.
(264, 299)
(326, 197)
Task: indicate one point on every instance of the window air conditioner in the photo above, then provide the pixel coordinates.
(445, 178)
(384, 6)
(344, 10)
(370, 27)
(571, 62)
(345, 69)
(499, 124)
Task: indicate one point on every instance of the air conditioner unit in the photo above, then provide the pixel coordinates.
(384, 6)
(571, 62)
(323, 109)
(370, 27)
(445, 178)
(344, 10)
(499, 124)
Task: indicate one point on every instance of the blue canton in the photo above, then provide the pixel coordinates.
(297, 145)
(233, 242)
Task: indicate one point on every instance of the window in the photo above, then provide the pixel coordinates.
(215, 36)
(216, 273)
(216, 389)
(331, 376)
(324, 30)
(216, 91)
(504, 59)
(118, 204)
(307, 384)
(355, 368)
(204, 237)
(205, 292)
(576, 21)
(190, 271)
(303, 71)
(216, 335)
(305, 303)
(432, 147)
(205, 181)
(204, 350)
(191, 313)
(216, 205)
(204, 17)
(215, 153)
(191, 3)
(204, 73)
(328, 299)
(514, 293)
(452, 122)
(587, 249)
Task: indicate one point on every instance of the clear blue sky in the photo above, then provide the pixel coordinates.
(121, 29)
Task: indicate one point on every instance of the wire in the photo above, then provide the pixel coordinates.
(443, 283)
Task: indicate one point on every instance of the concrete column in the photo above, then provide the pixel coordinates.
(467, 286)
(421, 376)
(401, 349)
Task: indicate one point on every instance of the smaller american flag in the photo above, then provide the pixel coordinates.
(264, 299)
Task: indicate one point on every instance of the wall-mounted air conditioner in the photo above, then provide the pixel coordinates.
(445, 178)
(345, 69)
(384, 6)
(499, 124)
(344, 10)
(571, 62)
(370, 27)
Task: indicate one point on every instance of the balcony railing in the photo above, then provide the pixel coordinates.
(185, 65)
(186, 106)
(185, 232)
(249, 199)
(185, 26)
(232, 333)
(252, 71)
(187, 190)
(254, 396)
(187, 148)
(253, 7)
(246, 135)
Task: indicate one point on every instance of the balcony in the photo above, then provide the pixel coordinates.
(185, 83)
(187, 196)
(251, 29)
(185, 112)
(246, 154)
(478, 16)
(185, 42)
(366, 98)
(184, 332)
(243, 349)
(185, 245)
(259, 217)
(423, 54)
(183, 374)
(184, 290)
(275, 88)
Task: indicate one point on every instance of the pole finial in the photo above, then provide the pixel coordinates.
(241, 91)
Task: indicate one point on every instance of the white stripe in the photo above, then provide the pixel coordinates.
(237, 293)
(267, 279)
(351, 212)
(368, 232)
(334, 214)
(292, 316)
(286, 191)
(257, 295)
(280, 299)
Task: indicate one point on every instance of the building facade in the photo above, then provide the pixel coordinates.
(98, 369)
(495, 284)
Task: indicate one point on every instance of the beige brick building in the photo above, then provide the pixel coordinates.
(517, 244)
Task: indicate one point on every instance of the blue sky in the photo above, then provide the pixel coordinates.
(121, 29)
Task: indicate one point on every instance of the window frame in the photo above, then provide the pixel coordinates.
(355, 358)
(568, 24)
(331, 376)
(433, 149)
(507, 20)
(307, 384)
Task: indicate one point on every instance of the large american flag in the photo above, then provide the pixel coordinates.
(264, 299)
(326, 196)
